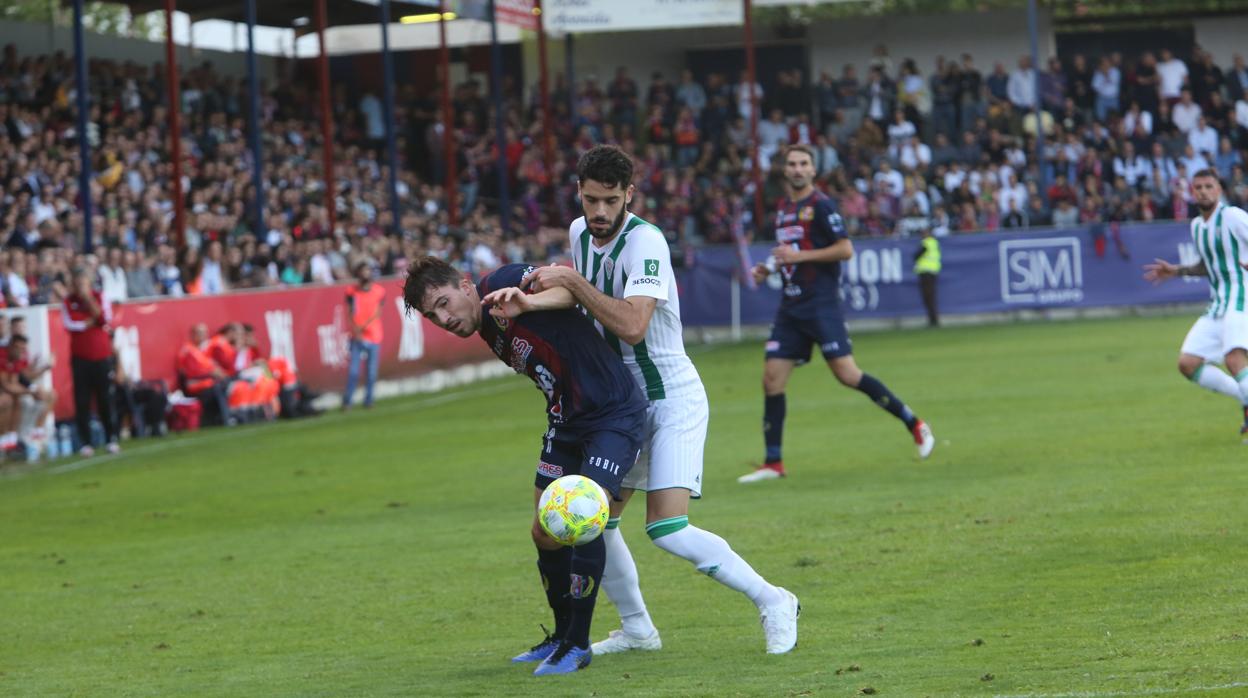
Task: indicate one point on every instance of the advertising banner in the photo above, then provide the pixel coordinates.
(982, 273)
(581, 16)
(309, 327)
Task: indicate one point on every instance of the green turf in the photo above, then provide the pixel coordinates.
(1080, 530)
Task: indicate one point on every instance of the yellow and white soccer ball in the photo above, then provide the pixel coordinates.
(573, 510)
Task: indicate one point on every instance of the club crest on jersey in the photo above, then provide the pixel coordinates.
(608, 266)
(500, 323)
(806, 214)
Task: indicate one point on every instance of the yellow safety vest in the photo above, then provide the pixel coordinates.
(929, 263)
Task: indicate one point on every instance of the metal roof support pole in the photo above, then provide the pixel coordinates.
(327, 119)
(451, 181)
(253, 116)
(751, 80)
(392, 152)
(84, 148)
(500, 126)
(175, 129)
(548, 131)
(1035, 66)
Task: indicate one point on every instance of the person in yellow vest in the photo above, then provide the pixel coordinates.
(927, 268)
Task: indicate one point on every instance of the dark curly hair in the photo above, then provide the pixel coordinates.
(423, 274)
(606, 164)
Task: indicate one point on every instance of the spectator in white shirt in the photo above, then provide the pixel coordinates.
(1105, 83)
(1022, 85)
(1162, 165)
(1193, 161)
(1012, 197)
(742, 91)
(113, 284)
(1203, 139)
(827, 156)
(914, 155)
(319, 267)
(1186, 113)
(1131, 166)
(1135, 118)
(212, 277)
(772, 135)
(1173, 74)
(15, 287)
(896, 183)
(900, 131)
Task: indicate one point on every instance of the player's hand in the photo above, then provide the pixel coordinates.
(508, 302)
(760, 273)
(1160, 270)
(553, 276)
(785, 255)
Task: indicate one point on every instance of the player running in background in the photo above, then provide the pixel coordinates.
(811, 244)
(623, 279)
(595, 416)
(1221, 334)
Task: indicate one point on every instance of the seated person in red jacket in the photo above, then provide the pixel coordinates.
(201, 377)
(20, 379)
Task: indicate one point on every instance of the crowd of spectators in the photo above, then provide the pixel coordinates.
(951, 150)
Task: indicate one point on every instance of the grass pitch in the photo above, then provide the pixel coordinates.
(1080, 530)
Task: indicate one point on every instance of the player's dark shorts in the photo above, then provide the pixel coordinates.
(603, 454)
(792, 337)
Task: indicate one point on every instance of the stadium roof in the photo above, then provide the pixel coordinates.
(283, 13)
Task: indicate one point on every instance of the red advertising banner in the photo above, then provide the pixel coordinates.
(518, 13)
(309, 327)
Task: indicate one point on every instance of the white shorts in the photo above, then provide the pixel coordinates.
(1212, 338)
(671, 453)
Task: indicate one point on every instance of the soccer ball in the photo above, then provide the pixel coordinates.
(573, 510)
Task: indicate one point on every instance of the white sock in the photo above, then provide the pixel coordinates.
(1241, 380)
(623, 587)
(712, 556)
(1213, 378)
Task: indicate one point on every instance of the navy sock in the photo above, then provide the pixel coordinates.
(773, 425)
(588, 561)
(883, 397)
(553, 565)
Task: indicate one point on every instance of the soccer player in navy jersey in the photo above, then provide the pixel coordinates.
(595, 414)
(811, 243)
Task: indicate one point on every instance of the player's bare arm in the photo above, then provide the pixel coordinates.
(839, 251)
(512, 301)
(626, 318)
(1160, 270)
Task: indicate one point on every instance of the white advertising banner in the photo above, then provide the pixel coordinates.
(581, 16)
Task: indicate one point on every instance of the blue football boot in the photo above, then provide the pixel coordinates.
(540, 651)
(566, 659)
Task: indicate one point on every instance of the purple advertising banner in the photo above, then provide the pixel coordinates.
(1088, 267)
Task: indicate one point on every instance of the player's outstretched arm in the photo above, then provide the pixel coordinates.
(1160, 270)
(511, 302)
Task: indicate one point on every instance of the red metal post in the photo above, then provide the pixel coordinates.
(751, 80)
(448, 120)
(548, 132)
(327, 118)
(175, 128)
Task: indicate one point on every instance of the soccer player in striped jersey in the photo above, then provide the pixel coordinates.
(1221, 334)
(623, 279)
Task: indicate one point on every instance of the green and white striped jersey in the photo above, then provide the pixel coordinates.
(1222, 242)
(638, 263)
